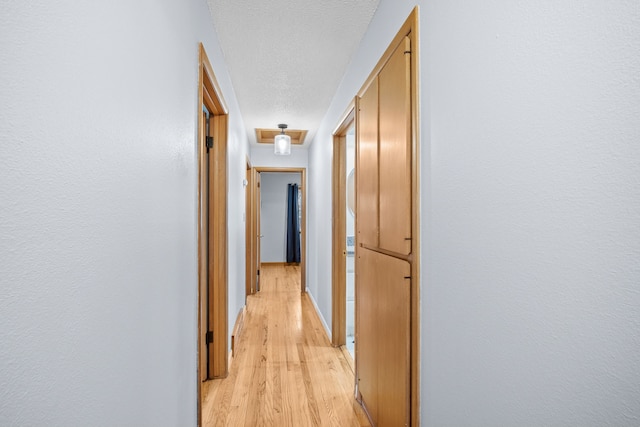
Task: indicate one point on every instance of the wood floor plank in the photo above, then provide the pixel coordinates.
(285, 371)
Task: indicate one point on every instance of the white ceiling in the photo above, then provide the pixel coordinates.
(286, 57)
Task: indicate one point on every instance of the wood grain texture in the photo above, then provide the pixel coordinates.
(396, 219)
(339, 229)
(339, 243)
(394, 120)
(203, 248)
(285, 371)
(383, 337)
(218, 247)
(212, 238)
(367, 157)
(248, 231)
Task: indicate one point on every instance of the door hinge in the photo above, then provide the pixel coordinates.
(209, 142)
(258, 272)
(209, 337)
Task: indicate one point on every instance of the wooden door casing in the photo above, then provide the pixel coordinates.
(212, 240)
(248, 230)
(258, 231)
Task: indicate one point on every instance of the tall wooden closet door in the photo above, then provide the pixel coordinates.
(395, 151)
(367, 167)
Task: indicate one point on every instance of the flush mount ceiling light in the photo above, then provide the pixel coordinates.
(282, 142)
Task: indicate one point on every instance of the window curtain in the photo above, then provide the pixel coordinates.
(293, 226)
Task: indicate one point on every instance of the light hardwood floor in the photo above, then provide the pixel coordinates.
(285, 371)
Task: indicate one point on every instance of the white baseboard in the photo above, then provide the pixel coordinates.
(324, 323)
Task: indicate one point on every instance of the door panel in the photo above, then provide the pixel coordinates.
(394, 288)
(254, 232)
(383, 218)
(258, 208)
(367, 297)
(384, 337)
(204, 253)
(211, 311)
(248, 232)
(395, 152)
(367, 167)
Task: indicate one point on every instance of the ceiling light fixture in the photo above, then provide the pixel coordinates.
(282, 142)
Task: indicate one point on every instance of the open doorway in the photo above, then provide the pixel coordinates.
(270, 201)
(349, 214)
(212, 226)
(280, 217)
(249, 231)
(343, 253)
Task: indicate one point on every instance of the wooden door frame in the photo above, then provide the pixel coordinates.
(249, 232)
(409, 29)
(339, 228)
(210, 95)
(253, 214)
(303, 226)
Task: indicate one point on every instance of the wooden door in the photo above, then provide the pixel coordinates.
(384, 233)
(258, 208)
(210, 250)
(206, 219)
(395, 151)
(253, 231)
(367, 167)
(383, 337)
(204, 252)
(248, 231)
(367, 338)
(394, 293)
(212, 228)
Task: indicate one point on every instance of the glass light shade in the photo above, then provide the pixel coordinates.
(282, 145)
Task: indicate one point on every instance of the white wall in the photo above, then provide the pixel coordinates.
(98, 264)
(273, 214)
(264, 156)
(530, 206)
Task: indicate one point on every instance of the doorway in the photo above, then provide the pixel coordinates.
(249, 231)
(268, 234)
(387, 231)
(343, 234)
(212, 226)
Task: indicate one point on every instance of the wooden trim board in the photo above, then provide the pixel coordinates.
(339, 234)
(212, 237)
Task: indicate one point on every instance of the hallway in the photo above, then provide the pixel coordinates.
(284, 372)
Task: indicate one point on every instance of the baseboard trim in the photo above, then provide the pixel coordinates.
(237, 330)
(327, 330)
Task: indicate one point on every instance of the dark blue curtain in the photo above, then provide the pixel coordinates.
(293, 226)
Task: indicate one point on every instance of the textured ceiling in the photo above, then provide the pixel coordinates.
(286, 57)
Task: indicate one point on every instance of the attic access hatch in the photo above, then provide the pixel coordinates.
(267, 136)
